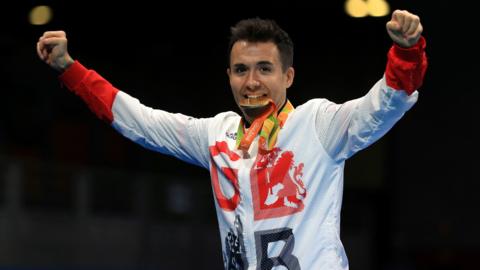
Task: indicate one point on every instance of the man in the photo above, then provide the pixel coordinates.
(276, 172)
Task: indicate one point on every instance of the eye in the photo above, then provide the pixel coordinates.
(265, 69)
(239, 69)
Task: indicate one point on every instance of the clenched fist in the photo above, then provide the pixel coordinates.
(52, 49)
(404, 28)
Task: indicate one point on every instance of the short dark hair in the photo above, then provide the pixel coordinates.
(263, 30)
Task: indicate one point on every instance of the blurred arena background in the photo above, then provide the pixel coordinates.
(76, 195)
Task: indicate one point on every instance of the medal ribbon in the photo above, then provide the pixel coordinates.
(268, 124)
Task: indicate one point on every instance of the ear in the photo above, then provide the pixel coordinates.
(289, 75)
(228, 72)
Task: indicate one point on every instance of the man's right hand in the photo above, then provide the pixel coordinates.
(52, 49)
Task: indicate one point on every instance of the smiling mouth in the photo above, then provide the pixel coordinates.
(255, 101)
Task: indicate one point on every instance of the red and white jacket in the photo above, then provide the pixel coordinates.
(280, 208)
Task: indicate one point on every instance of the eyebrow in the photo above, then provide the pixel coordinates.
(264, 63)
(239, 65)
(261, 63)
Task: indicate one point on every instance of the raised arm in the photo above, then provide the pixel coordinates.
(174, 134)
(345, 129)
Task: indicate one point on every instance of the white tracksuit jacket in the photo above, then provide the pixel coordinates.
(281, 209)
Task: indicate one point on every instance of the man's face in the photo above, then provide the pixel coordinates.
(256, 76)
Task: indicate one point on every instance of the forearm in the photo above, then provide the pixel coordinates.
(406, 67)
(97, 92)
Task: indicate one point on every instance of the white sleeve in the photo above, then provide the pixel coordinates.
(344, 129)
(181, 136)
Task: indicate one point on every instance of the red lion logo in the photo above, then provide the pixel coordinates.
(275, 180)
(277, 185)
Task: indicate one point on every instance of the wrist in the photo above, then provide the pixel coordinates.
(64, 64)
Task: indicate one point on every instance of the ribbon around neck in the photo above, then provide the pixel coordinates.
(268, 124)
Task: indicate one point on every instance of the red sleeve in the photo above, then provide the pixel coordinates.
(406, 67)
(97, 92)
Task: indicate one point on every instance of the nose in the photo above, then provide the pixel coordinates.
(252, 82)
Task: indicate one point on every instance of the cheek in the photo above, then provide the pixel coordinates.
(235, 91)
(235, 86)
(280, 94)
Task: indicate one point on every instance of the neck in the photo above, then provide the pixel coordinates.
(283, 105)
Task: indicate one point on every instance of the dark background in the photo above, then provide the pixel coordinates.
(76, 195)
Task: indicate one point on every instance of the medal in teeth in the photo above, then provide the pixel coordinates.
(255, 101)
